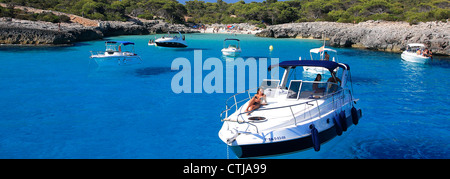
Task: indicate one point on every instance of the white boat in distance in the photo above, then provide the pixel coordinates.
(232, 50)
(415, 53)
(171, 41)
(152, 42)
(115, 54)
(321, 53)
(302, 115)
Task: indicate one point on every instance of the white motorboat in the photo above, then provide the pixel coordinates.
(300, 116)
(171, 41)
(232, 50)
(151, 42)
(416, 52)
(321, 53)
(115, 54)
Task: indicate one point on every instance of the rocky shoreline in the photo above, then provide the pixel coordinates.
(25, 32)
(374, 35)
(237, 28)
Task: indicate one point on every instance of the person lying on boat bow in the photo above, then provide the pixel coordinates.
(256, 101)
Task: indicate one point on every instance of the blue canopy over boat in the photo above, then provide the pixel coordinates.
(121, 42)
(330, 65)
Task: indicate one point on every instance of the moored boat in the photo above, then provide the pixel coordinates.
(151, 42)
(298, 116)
(232, 50)
(115, 54)
(171, 41)
(417, 53)
(321, 53)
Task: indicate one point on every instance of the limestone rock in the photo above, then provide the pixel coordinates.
(375, 35)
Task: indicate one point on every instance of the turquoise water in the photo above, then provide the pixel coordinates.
(57, 103)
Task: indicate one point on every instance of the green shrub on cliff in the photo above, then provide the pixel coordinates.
(6, 12)
(266, 12)
(277, 12)
(46, 16)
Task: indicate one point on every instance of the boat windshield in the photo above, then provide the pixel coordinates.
(111, 47)
(414, 48)
(299, 89)
(270, 84)
(270, 87)
(232, 43)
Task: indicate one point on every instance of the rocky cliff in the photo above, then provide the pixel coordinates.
(375, 35)
(140, 27)
(14, 31)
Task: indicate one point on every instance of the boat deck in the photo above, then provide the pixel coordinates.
(278, 113)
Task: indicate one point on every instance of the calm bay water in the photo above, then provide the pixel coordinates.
(55, 102)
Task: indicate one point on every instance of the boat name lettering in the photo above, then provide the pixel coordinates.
(276, 138)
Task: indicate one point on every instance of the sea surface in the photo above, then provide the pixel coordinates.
(56, 102)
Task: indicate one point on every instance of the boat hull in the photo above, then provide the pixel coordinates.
(231, 53)
(170, 44)
(413, 57)
(288, 146)
(114, 61)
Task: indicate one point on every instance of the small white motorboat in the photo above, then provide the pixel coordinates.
(417, 53)
(151, 42)
(321, 53)
(232, 50)
(171, 41)
(298, 116)
(116, 55)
